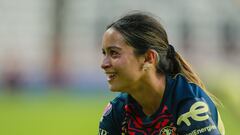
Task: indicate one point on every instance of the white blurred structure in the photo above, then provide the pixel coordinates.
(206, 32)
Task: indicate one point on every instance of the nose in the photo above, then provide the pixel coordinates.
(105, 63)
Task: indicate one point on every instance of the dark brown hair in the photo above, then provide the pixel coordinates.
(142, 31)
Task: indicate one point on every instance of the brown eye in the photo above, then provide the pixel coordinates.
(114, 54)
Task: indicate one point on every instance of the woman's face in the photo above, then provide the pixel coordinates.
(122, 67)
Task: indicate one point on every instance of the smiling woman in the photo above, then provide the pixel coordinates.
(121, 57)
(160, 94)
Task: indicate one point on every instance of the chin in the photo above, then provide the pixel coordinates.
(114, 88)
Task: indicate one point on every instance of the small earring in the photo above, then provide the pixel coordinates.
(146, 67)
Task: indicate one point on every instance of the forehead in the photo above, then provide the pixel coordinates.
(112, 37)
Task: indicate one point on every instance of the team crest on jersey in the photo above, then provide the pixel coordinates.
(107, 109)
(168, 131)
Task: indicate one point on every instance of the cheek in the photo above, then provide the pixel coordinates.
(128, 67)
(130, 73)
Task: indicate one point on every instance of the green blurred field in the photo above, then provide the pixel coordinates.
(61, 114)
(51, 114)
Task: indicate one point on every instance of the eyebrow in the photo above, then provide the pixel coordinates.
(112, 47)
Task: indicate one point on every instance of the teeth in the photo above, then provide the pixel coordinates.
(110, 76)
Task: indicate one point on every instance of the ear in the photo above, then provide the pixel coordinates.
(151, 57)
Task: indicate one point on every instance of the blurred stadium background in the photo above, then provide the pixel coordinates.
(50, 54)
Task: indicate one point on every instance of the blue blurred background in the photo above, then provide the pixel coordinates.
(50, 56)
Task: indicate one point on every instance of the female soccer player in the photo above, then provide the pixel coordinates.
(160, 94)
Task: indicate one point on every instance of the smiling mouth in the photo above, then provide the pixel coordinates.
(111, 76)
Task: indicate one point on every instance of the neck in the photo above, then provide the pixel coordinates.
(149, 93)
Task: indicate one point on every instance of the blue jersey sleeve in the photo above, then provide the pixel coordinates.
(109, 124)
(197, 117)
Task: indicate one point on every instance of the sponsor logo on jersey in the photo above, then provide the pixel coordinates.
(168, 131)
(198, 112)
(203, 130)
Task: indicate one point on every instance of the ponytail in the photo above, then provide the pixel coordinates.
(191, 76)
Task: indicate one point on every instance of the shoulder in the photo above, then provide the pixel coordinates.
(197, 115)
(195, 111)
(184, 94)
(182, 89)
(113, 115)
(116, 106)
